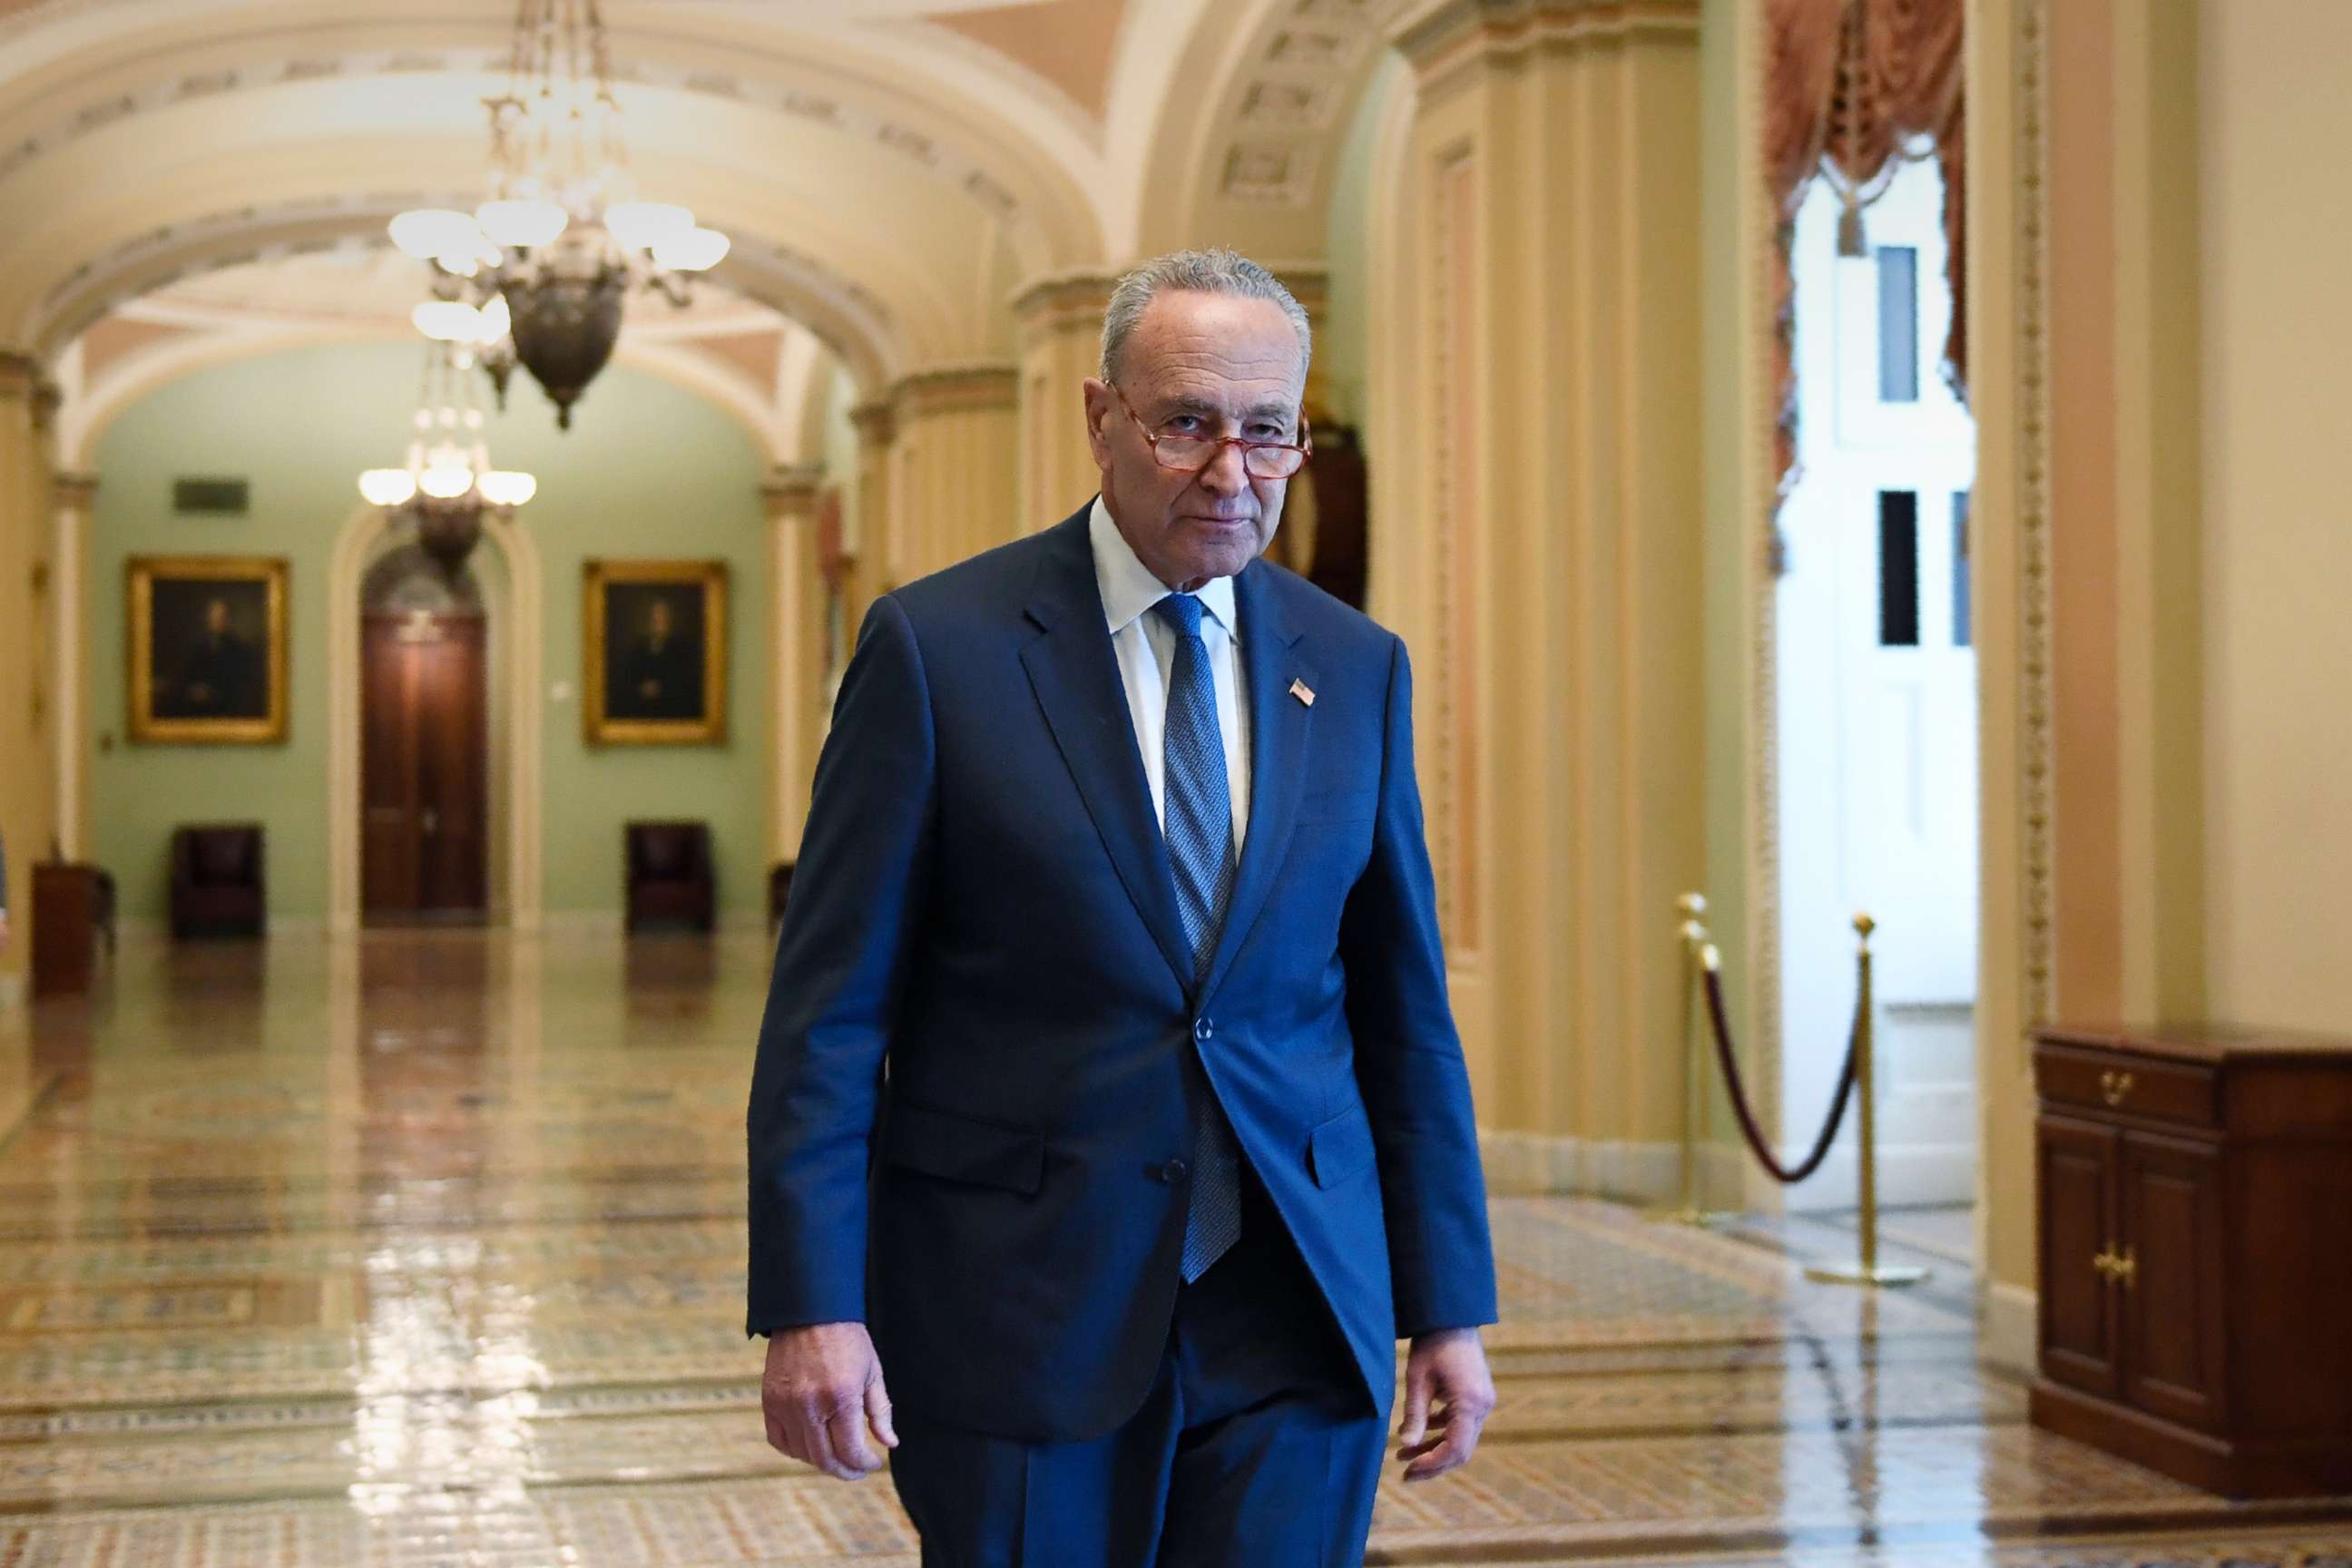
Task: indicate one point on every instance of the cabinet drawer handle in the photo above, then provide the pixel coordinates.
(2114, 1087)
(2121, 1267)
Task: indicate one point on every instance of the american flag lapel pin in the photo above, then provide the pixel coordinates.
(1304, 692)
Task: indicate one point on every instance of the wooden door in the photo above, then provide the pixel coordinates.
(424, 830)
(2172, 1297)
(2079, 1327)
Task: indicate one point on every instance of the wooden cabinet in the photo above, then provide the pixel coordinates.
(65, 926)
(2196, 1253)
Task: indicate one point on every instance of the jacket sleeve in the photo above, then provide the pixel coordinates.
(841, 961)
(1409, 1058)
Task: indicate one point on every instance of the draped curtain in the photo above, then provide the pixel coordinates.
(1854, 88)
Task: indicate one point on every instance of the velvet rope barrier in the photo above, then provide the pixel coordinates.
(1756, 1142)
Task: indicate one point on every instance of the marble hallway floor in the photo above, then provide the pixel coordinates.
(425, 1249)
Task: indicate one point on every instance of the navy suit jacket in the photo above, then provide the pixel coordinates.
(971, 1072)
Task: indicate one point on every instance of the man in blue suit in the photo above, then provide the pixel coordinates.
(1108, 1097)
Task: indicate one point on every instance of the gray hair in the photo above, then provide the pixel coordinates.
(1212, 271)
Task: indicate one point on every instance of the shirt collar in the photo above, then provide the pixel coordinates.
(1128, 588)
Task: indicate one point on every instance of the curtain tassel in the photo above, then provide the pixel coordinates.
(1852, 241)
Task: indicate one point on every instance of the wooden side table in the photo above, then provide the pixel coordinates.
(2195, 1189)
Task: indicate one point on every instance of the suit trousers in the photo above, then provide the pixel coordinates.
(1257, 1447)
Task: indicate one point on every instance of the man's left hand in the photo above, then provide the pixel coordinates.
(1448, 1395)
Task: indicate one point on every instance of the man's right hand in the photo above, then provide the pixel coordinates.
(822, 1389)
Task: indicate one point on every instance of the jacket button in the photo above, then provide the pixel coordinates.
(1173, 1172)
(1204, 1029)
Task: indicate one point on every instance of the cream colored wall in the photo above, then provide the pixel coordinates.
(2157, 324)
(1555, 515)
(2275, 223)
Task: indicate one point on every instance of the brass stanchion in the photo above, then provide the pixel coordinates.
(1867, 1272)
(1691, 906)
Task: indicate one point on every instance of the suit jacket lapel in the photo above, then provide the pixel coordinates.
(1074, 674)
(1279, 723)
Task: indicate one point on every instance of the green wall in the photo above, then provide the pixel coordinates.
(647, 470)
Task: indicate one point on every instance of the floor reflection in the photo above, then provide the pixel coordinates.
(426, 1249)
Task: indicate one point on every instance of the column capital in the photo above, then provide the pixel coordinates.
(21, 374)
(948, 389)
(877, 423)
(1438, 37)
(1309, 283)
(74, 491)
(1064, 300)
(791, 489)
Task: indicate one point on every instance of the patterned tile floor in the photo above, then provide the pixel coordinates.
(423, 1251)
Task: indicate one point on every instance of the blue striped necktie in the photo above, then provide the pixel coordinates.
(1199, 823)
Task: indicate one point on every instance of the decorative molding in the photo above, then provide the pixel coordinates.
(941, 159)
(47, 398)
(1441, 40)
(952, 389)
(1290, 103)
(877, 423)
(1758, 241)
(1454, 781)
(20, 374)
(2037, 738)
(790, 491)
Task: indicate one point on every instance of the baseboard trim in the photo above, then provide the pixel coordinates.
(1539, 1164)
(2008, 1332)
(608, 922)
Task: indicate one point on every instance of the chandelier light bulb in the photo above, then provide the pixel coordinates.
(458, 263)
(430, 233)
(445, 481)
(387, 486)
(638, 225)
(696, 250)
(508, 486)
(498, 321)
(522, 224)
(448, 321)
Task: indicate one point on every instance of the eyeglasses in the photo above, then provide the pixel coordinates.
(1191, 454)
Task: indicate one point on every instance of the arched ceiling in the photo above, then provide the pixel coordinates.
(1248, 154)
(763, 369)
(889, 170)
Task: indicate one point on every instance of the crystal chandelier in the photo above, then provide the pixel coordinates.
(448, 487)
(563, 236)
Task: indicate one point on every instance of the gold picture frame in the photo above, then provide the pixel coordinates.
(207, 658)
(653, 649)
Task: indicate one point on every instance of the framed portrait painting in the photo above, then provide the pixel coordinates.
(208, 656)
(654, 643)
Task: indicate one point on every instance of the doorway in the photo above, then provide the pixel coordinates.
(423, 745)
(1877, 705)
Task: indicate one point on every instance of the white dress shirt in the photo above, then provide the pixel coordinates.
(1146, 645)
